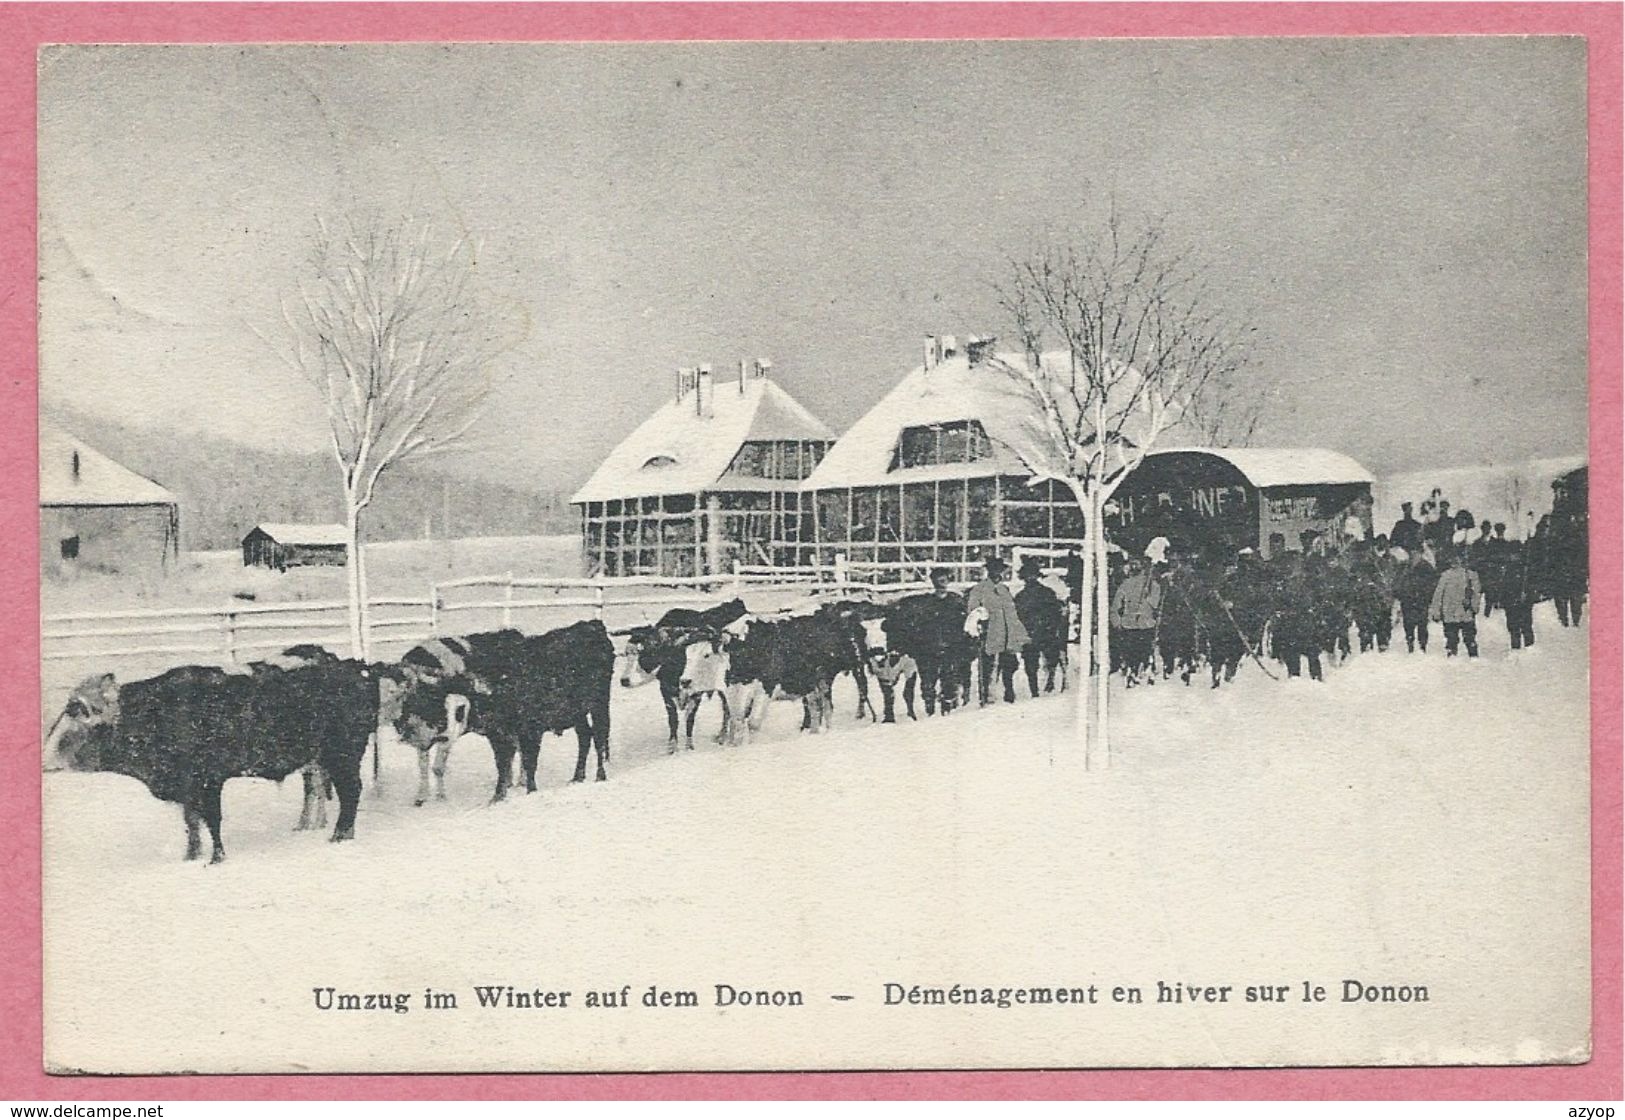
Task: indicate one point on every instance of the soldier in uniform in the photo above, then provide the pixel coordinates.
(1373, 574)
(1517, 589)
(1178, 633)
(1414, 589)
(1296, 637)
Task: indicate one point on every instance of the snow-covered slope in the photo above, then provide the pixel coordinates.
(1411, 821)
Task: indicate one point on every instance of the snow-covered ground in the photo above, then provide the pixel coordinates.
(1412, 821)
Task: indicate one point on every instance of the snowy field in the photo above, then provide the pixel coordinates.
(1413, 821)
(208, 579)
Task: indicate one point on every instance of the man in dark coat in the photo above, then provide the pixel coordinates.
(1516, 587)
(1295, 636)
(1436, 534)
(1569, 567)
(1414, 590)
(1044, 616)
(1407, 531)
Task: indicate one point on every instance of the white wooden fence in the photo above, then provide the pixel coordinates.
(153, 639)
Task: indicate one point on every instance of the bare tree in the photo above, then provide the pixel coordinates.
(1118, 336)
(387, 326)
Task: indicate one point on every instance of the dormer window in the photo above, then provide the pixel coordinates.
(953, 441)
(659, 462)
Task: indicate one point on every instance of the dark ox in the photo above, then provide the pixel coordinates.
(754, 661)
(186, 733)
(656, 653)
(513, 689)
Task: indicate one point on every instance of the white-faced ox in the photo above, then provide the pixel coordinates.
(513, 689)
(755, 661)
(656, 653)
(186, 733)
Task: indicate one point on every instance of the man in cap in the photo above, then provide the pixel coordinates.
(1407, 531)
(993, 609)
(1455, 604)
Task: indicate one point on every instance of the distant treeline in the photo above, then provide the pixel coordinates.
(227, 488)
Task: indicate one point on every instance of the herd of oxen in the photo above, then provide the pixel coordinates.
(185, 733)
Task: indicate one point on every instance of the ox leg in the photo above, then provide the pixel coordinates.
(600, 735)
(502, 751)
(348, 783)
(826, 701)
(691, 713)
(307, 811)
(670, 700)
(210, 808)
(908, 694)
(530, 753)
(584, 747)
(888, 701)
(862, 679)
(423, 777)
(194, 823)
(442, 755)
(727, 718)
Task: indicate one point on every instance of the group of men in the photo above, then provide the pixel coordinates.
(1173, 610)
(1028, 627)
(1300, 607)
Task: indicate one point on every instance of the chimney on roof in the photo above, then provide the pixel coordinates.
(76, 464)
(741, 376)
(702, 392)
(930, 350)
(685, 383)
(763, 367)
(950, 346)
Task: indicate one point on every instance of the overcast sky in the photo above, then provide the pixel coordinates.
(1403, 220)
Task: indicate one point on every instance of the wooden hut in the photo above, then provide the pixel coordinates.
(711, 479)
(281, 546)
(97, 514)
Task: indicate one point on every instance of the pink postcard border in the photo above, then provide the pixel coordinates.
(25, 27)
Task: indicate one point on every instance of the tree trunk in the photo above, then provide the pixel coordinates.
(355, 578)
(1103, 639)
(1086, 624)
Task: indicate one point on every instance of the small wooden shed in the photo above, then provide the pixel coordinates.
(281, 547)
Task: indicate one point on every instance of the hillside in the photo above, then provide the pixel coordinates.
(227, 488)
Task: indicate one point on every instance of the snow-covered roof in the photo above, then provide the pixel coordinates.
(1266, 467)
(284, 533)
(98, 480)
(699, 448)
(953, 390)
(950, 390)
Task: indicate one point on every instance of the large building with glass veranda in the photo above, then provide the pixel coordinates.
(945, 471)
(711, 480)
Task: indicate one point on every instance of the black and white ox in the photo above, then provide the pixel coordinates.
(186, 733)
(656, 653)
(755, 661)
(512, 688)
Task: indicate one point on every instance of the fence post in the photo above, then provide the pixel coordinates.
(598, 597)
(841, 575)
(434, 610)
(507, 602)
(739, 582)
(231, 636)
